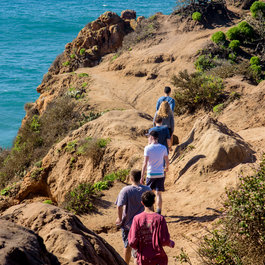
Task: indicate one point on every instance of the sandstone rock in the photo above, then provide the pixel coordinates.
(128, 14)
(211, 146)
(140, 19)
(106, 33)
(63, 234)
(19, 245)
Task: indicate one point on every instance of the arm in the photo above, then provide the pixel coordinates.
(167, 162)
(164, 235)
(154, 124)
(146, 158)
(172, 123)
(158, 104)
(119, 218)
(169, 143)
(173, 104)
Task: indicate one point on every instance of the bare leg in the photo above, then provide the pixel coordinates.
(127, 254)
(158, 200)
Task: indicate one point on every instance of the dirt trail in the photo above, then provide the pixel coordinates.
(188, 208)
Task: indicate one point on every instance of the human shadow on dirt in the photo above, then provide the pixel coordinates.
(190, 219)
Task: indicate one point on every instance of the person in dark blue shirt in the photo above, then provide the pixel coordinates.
(163, 132)
(167, 98)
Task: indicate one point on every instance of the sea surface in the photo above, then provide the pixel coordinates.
(33, 33)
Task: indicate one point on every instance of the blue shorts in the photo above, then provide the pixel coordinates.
(125, 233)
(156, 183)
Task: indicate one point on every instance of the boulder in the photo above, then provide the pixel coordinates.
(19, 245)
(63, 235)
(128, 14)
(211, 146)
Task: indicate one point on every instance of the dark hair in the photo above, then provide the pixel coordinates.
(154, 134)
(148, 198)
(136, 175)
(167, 89)
(158, 119)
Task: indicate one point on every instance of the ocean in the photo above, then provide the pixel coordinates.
(33, 33)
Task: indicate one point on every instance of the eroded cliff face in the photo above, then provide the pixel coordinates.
(64, 236)
(114, 97)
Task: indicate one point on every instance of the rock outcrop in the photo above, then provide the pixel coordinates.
(211, 146)
(58, 175)
(19, 245)
(63, 235)
(98, 38)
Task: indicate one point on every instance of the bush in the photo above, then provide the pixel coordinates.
(246, 31)
(204, 63)
(234, 45)
(197, 16)
(144, 30)
(82, 51)
(36, 136)
(218, 108)
(196, 91)
(241, 237)
(218, 37)
(118, 175)
(256, 72)
(80, 199)
(257, 9)
(233, 33)
(255, 60)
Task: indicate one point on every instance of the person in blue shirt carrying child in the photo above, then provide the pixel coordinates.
(166, 97)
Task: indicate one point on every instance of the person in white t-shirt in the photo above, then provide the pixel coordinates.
(155, 163)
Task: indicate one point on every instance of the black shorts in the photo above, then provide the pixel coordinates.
(156, 184)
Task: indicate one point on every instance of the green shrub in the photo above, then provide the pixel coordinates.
(35, 174)
(118, 175)
(36, 136)
(48, 202)
(255, 60)
(256, 72)
(76, 93)
(80, 199)
(218, 37)
(103, 142)
(246, 31)
(218, 108)
(233, 33)
(197, 16)
(204, 63)
(218, 249)
(102, 185)
(241, 236)
(232, 56)
(66, 63)
(83, 75)
(35, 123)
(196, 91)
(71, 146)
(234, 45)
(144, 30)
(9, 190)
(257, 9)
(82, 51)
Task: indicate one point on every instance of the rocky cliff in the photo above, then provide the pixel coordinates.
(96, 103)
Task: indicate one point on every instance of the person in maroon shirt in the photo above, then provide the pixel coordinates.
(149, 233)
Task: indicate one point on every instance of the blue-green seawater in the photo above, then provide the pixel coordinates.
(33, 33)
